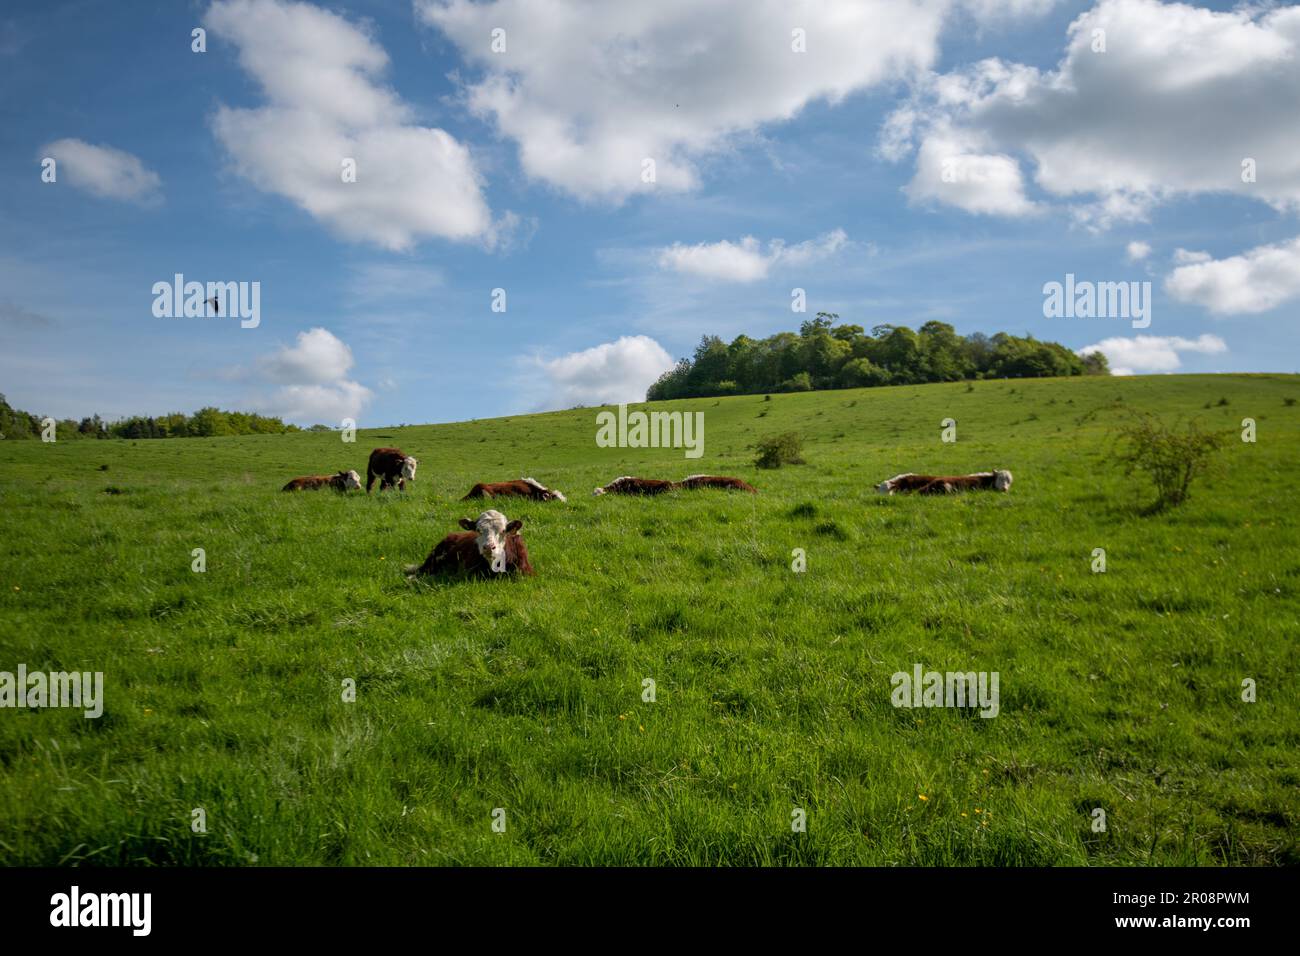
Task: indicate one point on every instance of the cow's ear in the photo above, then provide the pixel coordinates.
(514, 526)
(467, 524)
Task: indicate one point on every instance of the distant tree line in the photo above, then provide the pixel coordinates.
(826, 354)
(205, 423)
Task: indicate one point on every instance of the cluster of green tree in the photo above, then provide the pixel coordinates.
(827, 355)
(206, 422)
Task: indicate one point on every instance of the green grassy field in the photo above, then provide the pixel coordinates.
(223, 689)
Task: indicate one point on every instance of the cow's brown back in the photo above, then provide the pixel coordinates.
(716, 481)
(308, 483)
(638, 486)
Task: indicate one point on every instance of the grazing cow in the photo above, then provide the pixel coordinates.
(523, 488)
(691, 482)
(627, 485)
(391, 466)
(343, 481)
(488, 546)
(945, 484)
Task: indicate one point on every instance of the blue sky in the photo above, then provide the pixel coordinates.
(210, 165)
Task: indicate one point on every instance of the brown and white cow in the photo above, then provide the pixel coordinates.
(945, 484)
(523, 488)
(343, 481)
(489, 546)
(628, 485)
(391, 466)
(691, 482)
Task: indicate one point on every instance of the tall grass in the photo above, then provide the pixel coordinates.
(1119, 690)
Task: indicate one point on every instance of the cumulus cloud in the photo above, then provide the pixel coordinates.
(1178, 100)
(310, 380)
(747, 260)
(1137, 250)
(606, 374)
(950, 168)
(1255, 281)
(317, 357)
(319, 404)
(587, 91)
(1152, 353)
(320, 75)
(103, 171)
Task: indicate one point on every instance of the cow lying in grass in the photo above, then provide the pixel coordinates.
(523, 488)
(628, 485)
(391, 466)
(946, 484)
(343, 481)
(487, 547)
(691, 482)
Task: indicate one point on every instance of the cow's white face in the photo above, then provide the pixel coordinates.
(598, 491)
(1001, 480)
(887, 487)
(491, 529)
(408, 468)
(351, 480)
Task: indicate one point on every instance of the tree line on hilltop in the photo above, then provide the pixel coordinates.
(205, 423)
(825, 354)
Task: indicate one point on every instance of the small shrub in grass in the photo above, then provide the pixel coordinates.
(1288, 402)
(1171, 456)
(778, 450)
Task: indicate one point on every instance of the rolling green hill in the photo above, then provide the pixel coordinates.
(1119, 690)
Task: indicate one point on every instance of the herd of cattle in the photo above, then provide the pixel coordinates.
(492, 545)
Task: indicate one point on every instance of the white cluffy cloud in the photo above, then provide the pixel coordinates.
(311, 381)
(588, 91)
(320, 75)
(1152, 353)
(103, 171)
(746, 260)
(606, 374)
(1255, 281)
(1138, 250)
(1181, 101)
